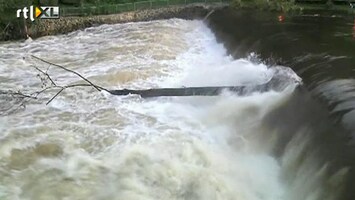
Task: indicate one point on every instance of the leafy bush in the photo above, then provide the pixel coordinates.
(8, 9)
(97, 2)
(281, 5)
(14, 3)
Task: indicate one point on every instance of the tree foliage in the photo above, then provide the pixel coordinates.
(14, 3)
(282, 5)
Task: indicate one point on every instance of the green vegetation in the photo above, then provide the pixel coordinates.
(8, 21)
(279, 5)
(10, 25)
(8, 8)
(294, 5)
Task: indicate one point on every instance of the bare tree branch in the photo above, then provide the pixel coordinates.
(61, 90)
(17, 94)
(98, 88)
(45, 74)
(11, 101)
(20, 99)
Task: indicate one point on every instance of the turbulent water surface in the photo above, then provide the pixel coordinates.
(91, 145)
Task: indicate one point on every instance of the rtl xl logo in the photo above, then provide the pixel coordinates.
(43, 12)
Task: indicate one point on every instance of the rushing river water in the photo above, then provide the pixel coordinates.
(91, 145)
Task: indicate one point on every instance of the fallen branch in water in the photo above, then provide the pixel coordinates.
(186, 91)
(54, 85)
(48, 83)
(192, 91)
(98, 88)
(11, 101)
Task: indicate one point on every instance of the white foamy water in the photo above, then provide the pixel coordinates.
(91, 145)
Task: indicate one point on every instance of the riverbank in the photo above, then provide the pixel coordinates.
(64, 25)
(295, 7)
(17, 30)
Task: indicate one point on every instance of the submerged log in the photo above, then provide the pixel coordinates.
(277, 83)
(189, 91)
(193, 91)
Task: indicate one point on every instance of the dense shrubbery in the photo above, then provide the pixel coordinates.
(8, 8)
(284, 5)
(108, 1)
(13, 3)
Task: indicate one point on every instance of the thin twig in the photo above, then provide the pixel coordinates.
(43, 90)
(46, 74)
(61, 90)
(18, 93)
(20, 99)
(98, 88)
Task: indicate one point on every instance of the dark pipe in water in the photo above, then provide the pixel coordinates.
(274, 84)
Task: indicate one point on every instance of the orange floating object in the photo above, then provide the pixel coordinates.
(281, 18)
